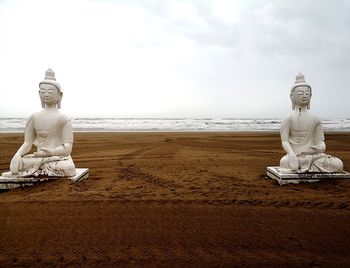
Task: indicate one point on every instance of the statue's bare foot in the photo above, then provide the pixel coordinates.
(8, 174)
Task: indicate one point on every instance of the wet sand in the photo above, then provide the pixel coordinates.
(176, 199)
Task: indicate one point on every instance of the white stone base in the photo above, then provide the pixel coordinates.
(9, 183)
(284, 176)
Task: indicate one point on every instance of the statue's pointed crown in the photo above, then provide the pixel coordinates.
(50, 79)
(50, 75)
(300, 78)
(299, 81)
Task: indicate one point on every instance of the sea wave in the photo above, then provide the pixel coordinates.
(175, 124)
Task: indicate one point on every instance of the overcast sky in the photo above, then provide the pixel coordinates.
(165, 58)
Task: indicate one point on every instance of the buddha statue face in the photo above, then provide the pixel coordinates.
(301, 96)
(50, 95)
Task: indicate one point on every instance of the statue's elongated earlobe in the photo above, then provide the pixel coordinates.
(308, 105)
(59, 102)
(293, 104)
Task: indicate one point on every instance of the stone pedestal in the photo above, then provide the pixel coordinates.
(284, 176)
(9, 183)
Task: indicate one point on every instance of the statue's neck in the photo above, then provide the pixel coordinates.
(300, 109)
(50, 107)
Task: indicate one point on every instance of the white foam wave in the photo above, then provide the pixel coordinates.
(174, 124)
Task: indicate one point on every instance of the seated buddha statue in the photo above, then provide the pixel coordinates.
(302, 136)
(51, 132)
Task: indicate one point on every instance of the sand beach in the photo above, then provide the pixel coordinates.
(176, 199)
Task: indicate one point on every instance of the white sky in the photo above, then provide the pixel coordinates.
(167, 58)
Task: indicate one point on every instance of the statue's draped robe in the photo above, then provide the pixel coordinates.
(313, 136)
(57, 166)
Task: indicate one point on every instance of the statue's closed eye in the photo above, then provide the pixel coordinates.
(42, 91)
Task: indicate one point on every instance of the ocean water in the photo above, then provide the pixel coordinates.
(175, 124)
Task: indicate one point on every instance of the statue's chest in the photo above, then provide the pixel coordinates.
(46, 124)
(301, 123)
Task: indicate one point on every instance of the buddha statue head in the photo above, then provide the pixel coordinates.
(50, 90)
(301, 93)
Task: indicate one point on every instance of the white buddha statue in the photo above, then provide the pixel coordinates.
(51, 132)
(302, 136)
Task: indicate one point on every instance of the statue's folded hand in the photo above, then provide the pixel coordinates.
(307, 152)
(44, 152)
(315, 149)
(318, 149)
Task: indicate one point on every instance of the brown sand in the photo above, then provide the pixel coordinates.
(176, 199)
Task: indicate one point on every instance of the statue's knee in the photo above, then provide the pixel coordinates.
(68, 167)
(333, 164)
(337, 164)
